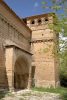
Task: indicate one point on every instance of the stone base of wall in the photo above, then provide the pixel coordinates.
(45, 83)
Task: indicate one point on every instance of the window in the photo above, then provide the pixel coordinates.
(42, 34)
(46, 19)
(39, 21)
(33, 22)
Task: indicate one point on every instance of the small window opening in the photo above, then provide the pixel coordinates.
(42, 34)
(33, 22)
(46, 19)
(39, 21)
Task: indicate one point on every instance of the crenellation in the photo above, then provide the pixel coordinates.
(35, 22)
(39, 21)
(42, 19)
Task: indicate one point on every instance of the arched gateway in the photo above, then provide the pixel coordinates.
(21, 73)
(18, 73)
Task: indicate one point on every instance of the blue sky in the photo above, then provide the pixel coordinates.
(24, 8)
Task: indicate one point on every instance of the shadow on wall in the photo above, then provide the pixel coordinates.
(21, 73)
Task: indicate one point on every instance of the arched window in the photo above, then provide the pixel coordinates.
(39, 21)
(32, 22)
(46, 19)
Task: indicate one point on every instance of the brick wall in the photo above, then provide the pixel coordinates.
(12, 32)
(43, 47)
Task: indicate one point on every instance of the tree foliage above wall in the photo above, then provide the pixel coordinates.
(59, 7)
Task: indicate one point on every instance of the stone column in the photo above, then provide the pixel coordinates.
(29, 80)
(36, 21)
(43, 20)
(10, 67)
(28, 23)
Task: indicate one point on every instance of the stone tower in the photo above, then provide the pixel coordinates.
(44, 70)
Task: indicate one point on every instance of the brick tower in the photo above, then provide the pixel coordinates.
(43, 46)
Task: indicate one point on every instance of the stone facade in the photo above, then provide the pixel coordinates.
(17, 45)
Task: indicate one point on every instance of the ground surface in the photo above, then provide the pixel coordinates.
(30, 95)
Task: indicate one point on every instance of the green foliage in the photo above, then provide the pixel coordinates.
(63, 63)
(45, 50)
(59, 90)
(63, 68)
(65, 30)
(62, 91)
(44, 2)
(2, 94)
(64, 96)
(58, 6)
